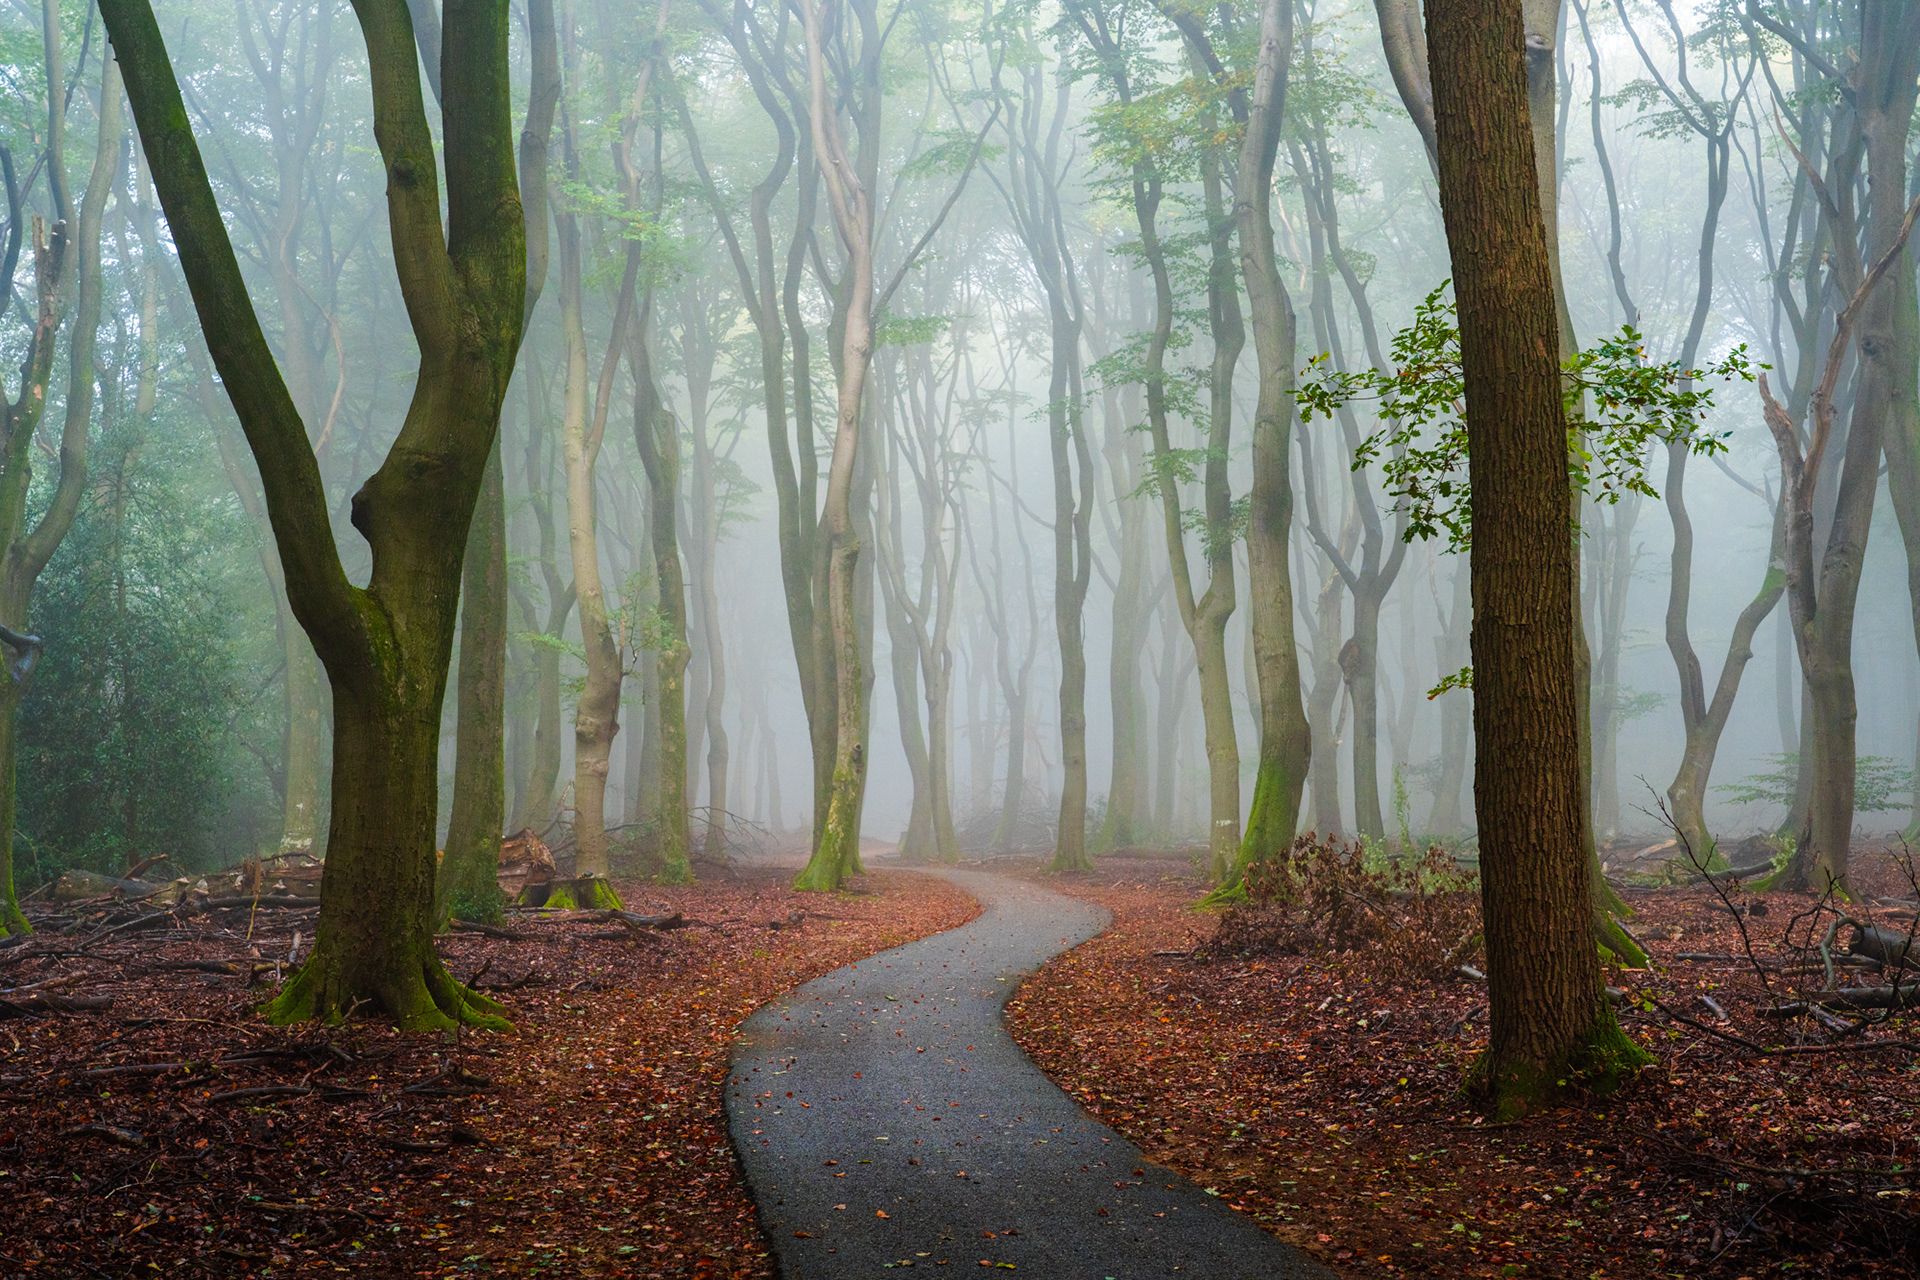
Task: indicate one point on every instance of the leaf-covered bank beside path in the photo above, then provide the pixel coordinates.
(1321, 1094)
(590, 1143)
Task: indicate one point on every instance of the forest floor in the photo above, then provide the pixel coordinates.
(1320, 1092)
(175, 1133)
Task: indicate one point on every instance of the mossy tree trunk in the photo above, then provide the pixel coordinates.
(385, 646)
(374, 942)
(1549, 1020)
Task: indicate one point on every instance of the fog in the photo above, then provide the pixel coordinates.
(690, 222)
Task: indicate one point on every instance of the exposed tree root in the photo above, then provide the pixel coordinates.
(418, 998)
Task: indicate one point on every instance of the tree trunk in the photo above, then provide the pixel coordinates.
(1456, 711)
(1550, 1024)
(596, 715)
(1285, 736)
(375, 940)
(385, 645)
(1359, 663)
(306, 740)
(541, 792)
(836, 852)
(1006, 832)
(658, 438)
(12, 922)
(469, 885)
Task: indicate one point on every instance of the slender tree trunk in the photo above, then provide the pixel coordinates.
(469, 885)
(836, 853)
(1456, 710)
(658, 438)
(1285, 735)
(596, 714)
(12, 922)
(1359, 663)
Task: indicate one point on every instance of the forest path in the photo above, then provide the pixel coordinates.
(885, 1118)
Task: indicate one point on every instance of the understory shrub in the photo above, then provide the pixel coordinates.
(1411, 916)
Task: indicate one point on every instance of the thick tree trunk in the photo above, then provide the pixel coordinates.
(385, 645)
(375, 939)
(1549, 1020)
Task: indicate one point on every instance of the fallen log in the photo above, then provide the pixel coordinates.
(111, 1132)
(52, 1003)
(1889, 947)
(633, 920)
(1868, 999)
(1896, 996)
(135, 1069)
(486, 930)
(79, 886)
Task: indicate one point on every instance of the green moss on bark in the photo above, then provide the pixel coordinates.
(1603, 1063)
(587, 893)
(424, 998)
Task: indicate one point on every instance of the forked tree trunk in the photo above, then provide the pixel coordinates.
(385, 645)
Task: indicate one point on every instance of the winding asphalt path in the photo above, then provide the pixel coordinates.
(886, 1119)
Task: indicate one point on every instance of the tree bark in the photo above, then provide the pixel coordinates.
(1550, 1024)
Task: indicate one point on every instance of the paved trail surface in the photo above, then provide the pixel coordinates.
(885, 1118)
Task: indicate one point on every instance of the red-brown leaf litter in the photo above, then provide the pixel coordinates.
(1321, 1092)
(175, 1133)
